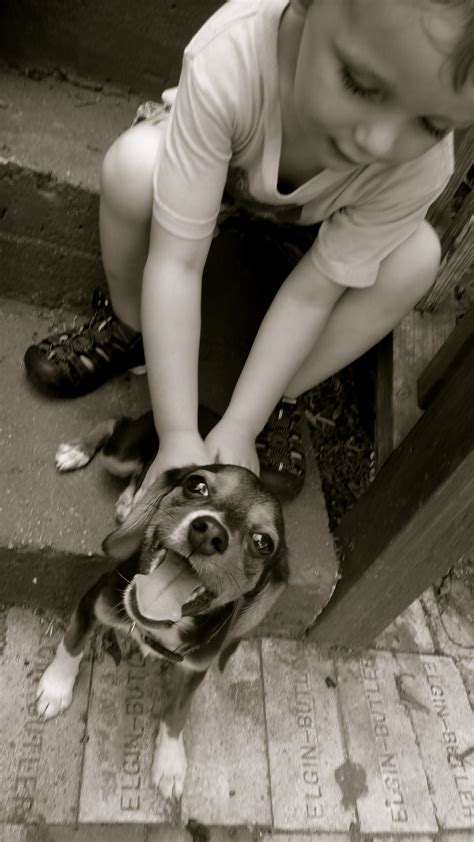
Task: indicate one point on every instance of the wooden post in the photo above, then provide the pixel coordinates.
(413, 523)
(439, 371)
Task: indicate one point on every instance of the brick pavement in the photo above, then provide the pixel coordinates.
(290, 743)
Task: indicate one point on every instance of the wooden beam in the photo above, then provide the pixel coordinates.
(435, 539)
(412, 524)
(442, 211)
(384, 402)
(458, 261)
(415, 342)
(450, 215)
(437, 374)
(403, 356)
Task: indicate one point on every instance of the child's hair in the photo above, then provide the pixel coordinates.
(462, 59)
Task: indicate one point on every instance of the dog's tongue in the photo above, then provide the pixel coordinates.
(162, 593)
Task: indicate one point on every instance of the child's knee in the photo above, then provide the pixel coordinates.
(428, 250)
(415, 262)
(127, 171)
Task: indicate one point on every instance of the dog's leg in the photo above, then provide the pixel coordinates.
(55, 688)
(169, 761)
(78, 453)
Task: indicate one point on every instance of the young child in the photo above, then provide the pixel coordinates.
(332, 111)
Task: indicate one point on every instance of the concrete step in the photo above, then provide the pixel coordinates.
(53, 525)
(54, 136)
(290, 742)
(137, 45)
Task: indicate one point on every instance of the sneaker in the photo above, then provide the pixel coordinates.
(76, 361)
(280, 450)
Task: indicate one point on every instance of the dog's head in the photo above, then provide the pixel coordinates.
(205, 537)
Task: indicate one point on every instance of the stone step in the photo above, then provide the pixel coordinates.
(54, 136)
(290, 740)
(53, 525)
(137, 45)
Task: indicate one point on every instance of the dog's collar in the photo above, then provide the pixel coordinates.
(175, 656)
(162, 650)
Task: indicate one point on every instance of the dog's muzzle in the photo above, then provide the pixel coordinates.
(171, 590)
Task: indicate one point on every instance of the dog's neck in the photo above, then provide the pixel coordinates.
(206, 628)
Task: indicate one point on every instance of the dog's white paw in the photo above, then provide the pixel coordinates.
(169, 764)
(71, 456)
(54, 692)
(124, 504)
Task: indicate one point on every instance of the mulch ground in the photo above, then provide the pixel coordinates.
(341, 417)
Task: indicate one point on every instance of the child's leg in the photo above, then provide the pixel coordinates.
(125, 214)
(359, 320)
(364, 316)
(75, 361)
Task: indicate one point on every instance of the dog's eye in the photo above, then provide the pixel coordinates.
(263, 543)
(196, 485)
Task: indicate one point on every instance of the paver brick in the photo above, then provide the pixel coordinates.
(85, 833)
(311, 837)
(402, 837)
(408, 633)
(444, 724)
(227, 781)
(393, 793)
(123, 718)
(12, 833)
(305, 743)
(222, 834)
(195, 832)
(168, 834)
(466, 668)
(41, 760)
(452, 632)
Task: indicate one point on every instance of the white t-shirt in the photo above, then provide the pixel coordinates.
(224, 133)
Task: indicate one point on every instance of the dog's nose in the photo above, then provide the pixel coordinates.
(206, 535)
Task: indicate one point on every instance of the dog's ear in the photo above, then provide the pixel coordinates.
(128, 538)
(123, 542)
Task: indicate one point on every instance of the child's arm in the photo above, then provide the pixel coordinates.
(288, 333)
(171, 321)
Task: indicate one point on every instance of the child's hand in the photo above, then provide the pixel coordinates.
(230, 444)
(175, 451)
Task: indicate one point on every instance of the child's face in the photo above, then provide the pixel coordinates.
(373, 80)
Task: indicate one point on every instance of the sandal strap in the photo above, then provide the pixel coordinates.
(280, 442)
(86, 348)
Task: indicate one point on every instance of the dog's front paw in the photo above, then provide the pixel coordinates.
(169, 764)
(71, 456)
(54, 692)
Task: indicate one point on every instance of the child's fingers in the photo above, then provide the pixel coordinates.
(169, 95)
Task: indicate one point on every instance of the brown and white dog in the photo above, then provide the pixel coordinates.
(202, 559)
